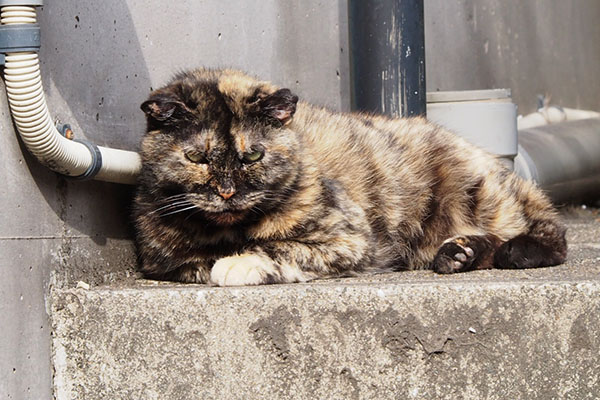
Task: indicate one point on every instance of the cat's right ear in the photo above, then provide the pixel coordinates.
(163, 108)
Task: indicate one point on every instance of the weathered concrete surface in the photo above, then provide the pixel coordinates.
(347, 341)
(491, 334)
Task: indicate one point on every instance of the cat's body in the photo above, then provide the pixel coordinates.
(241, 185)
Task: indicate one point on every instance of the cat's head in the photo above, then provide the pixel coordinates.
(219, 147)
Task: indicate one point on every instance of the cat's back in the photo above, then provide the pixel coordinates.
(371, 152)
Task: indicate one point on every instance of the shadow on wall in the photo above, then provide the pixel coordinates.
(95, 77)
(312, 47)
(92, 55)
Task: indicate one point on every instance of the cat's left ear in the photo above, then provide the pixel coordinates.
(279, 105)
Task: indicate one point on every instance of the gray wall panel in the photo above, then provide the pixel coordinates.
(25, 370)
(548, 47)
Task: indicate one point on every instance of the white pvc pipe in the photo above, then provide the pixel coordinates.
(553, 115)
(562, 158)
(34, 124)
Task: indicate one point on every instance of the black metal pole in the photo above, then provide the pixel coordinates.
(387, 56)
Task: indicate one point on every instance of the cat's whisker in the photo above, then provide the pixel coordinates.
(175, 203)
(171, 205)
(164, 204)
(263, 198)
(178, 211)
(290, 190)
(255, 209)
(174, 197)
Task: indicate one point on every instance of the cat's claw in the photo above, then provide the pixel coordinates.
(245, 269)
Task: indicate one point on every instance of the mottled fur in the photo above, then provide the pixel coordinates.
(331, 194)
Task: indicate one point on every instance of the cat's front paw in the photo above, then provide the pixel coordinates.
(245, 269)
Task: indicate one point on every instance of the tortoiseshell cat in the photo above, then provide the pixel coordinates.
(243, 185)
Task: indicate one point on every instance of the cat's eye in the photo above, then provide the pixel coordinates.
(196, 157)
(252, 156)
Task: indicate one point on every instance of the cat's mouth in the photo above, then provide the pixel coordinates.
(226, 217)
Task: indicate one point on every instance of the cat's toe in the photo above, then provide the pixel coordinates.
(245, 269)
(460, 257)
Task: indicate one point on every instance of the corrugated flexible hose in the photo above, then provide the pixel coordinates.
(32, 119)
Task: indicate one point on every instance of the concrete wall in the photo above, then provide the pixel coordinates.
(100, 60)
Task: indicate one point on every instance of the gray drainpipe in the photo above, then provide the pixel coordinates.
(387, 56)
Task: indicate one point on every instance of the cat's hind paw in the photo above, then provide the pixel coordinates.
(466, 253)
(530, 252)
(453, 256)
(245, 269)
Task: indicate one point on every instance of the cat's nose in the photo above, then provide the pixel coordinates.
(226, 192)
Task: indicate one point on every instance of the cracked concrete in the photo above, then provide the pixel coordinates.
(495, 334)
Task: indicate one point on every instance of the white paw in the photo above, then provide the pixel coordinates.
(245, 269)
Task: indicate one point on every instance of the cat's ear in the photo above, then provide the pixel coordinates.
(164, 108)
(279, 105)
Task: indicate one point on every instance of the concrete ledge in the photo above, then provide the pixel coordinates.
(531, 334)
(445, 340)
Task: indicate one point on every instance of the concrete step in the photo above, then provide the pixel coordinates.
(483, 335)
